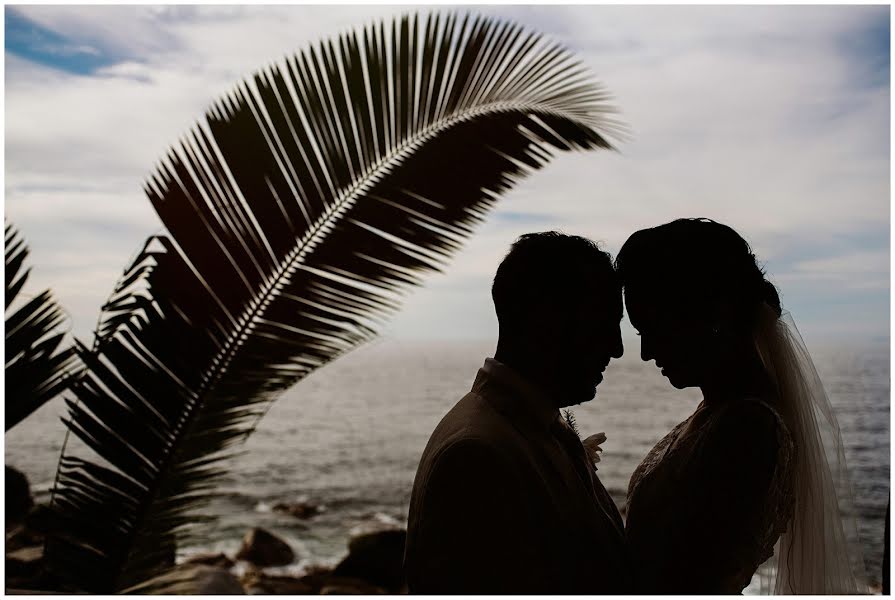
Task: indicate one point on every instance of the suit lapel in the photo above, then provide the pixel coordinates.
(576, 453)
(540, 437)
(608, 507)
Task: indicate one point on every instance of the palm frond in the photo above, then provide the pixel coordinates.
(36, 368)
(299, 212)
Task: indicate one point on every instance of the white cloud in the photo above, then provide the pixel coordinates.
(67, 49)
(852, 264)
(752, 116)
(846, 274)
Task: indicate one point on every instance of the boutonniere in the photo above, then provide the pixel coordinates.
(570, 421)
(591, 443)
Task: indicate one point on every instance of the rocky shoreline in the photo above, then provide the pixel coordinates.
(373, 564)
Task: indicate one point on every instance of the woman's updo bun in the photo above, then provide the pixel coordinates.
(771, 297)
(695, 266)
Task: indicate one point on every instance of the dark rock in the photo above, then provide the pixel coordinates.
(36, 578)
(256, 582)
(300, 510)
(248, 578)
(185, 579)
(20, 537)
(262, 548)
(376, 557)
(43, 520)
(25, 570)
(30, 553)
(212, 581)
(349, 585)
(24, 562)
(315, 577)
(212, 560)
(18, 496)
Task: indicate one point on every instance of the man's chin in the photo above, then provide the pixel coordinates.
(584, 394)
(678, 383)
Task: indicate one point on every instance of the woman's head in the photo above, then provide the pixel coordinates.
(693, 291)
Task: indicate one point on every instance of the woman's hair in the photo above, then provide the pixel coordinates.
(693, 265)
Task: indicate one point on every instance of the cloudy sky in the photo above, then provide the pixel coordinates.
(774, 120)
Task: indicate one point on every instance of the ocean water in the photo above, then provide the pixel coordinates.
(348, 438)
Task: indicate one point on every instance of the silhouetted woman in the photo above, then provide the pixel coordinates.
(756, 469)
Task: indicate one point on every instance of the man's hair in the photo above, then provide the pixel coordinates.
(547, 268)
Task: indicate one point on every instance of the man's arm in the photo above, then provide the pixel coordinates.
(475, 530)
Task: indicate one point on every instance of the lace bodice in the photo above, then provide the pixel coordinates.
(656, 455)
(671, 478)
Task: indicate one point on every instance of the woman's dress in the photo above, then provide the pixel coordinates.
(710, 500)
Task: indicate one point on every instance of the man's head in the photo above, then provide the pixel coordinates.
(559, 304)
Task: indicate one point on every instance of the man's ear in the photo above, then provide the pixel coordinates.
(543, 325)
(723, 315)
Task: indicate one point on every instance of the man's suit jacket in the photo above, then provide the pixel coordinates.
(498, 505)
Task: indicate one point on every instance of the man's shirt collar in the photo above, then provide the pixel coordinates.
(521, 397)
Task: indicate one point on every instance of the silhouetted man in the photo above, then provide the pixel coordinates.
(505, 498)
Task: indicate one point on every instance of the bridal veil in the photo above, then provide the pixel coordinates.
(820, 552)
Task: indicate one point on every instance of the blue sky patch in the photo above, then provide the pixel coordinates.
(31, 41)
(869, 47)
(517, 217)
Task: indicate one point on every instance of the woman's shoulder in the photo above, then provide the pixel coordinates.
(750, 432)
(751, 413)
